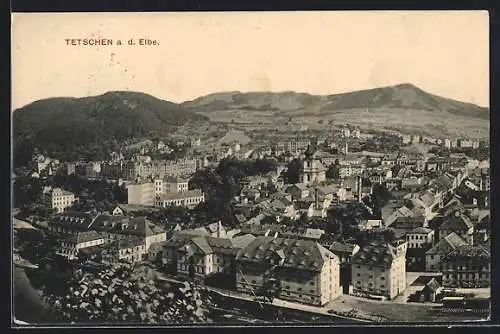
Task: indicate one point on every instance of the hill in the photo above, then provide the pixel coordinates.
(64, 125)
(393, 106)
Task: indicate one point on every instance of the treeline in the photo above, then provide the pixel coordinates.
(225, 182)
(28, 190)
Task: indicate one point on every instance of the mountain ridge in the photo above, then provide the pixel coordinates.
(405, 95)
(65, 124)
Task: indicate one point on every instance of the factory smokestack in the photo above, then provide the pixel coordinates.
(359, 185)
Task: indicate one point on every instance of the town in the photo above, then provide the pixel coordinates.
(348, 224)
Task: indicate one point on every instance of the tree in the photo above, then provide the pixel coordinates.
(333, 172)
(292, 173)
(123, 295)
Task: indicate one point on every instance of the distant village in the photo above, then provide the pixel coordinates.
(437, 215)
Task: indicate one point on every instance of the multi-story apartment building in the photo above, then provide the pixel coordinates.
(379, 269)
(420, 237)
(112, 169)
(467, 266)
(119, 227)
(196, 254)
(305, 271)
(170, 184)
(71, 222)
(58, 199)
(80, 240)
(161, 168)
(141, 193)
(347, 170)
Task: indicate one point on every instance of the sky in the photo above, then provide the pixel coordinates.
(442, 52)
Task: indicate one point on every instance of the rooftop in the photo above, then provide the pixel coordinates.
(297, 254)
(447, 244)
(377, 254)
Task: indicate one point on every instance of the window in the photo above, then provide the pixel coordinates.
(312, 283)
(382, 286)
(312, 291)
(253, 282)
(359, 274)
(382, 278)
(299, 289)
(371, 276)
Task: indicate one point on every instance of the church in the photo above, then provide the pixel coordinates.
(312, 170)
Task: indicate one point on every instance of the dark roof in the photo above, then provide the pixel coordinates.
(453, 205)
(303, 205)
(456, 222)
(447, 244)
(342, 248)
(298, 254)
(81, 237)
(75, 220)
(179, 239)
(377, 254)
(242, 240)
(469, 252)
(138, 226)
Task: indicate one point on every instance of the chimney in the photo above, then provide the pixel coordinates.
(316, 198)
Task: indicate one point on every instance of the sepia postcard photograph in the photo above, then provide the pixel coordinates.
(250, 168)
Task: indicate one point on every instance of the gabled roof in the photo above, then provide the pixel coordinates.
(202, 244)
(456, 222)
(342, 248)
(299, 186)
(469, 252)
(86, 236)
(138, 226)
(242, 240)
(377, 254)
(447, 244)
(298, 254)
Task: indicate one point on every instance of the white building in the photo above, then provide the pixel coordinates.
(190, 199)
(59, 199)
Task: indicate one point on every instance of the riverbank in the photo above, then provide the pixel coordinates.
(351, 309)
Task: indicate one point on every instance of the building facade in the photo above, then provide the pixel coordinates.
(305, 271)
(59, 199)
(379, 269)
